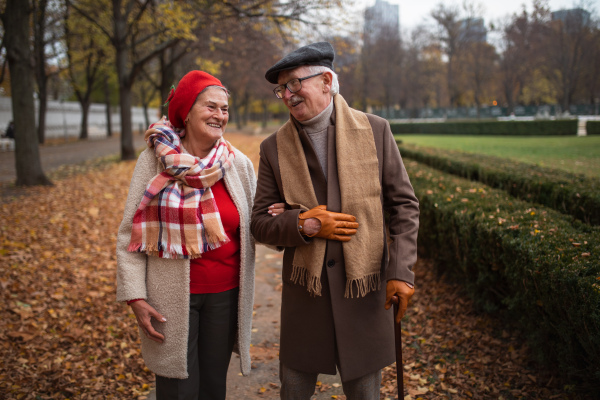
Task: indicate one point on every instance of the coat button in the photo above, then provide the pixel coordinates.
(330, 263)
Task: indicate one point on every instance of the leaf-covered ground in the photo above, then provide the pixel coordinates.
(63, 336)
(452, 352)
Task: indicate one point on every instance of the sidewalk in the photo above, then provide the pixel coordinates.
(55, 155)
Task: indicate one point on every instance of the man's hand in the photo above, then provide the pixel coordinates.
(143, 313)
(333, 226)
(403, 292)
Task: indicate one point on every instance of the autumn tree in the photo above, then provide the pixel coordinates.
(381, 59)
(347, 57)
(47, 34)
(89, 59)
(591, 77)
(424, 72)
(146, 90)
(480, 66)
(138, 31)
(449, 35)
(515, 57)
(237, 41)
(569, 39)
(16, 19)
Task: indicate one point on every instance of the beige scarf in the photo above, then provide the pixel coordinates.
(360, 189)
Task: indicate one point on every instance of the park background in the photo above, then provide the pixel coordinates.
(497, 122)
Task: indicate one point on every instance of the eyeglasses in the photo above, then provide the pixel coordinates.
(293, 86)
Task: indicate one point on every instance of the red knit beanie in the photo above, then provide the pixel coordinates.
(182, 99)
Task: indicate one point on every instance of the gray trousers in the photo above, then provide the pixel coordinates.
(213, 328)
(298, 385)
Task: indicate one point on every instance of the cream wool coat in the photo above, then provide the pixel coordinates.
(165, 283)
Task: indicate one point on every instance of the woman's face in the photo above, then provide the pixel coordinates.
(208, 117)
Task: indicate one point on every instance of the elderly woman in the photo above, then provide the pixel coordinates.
(184, 252)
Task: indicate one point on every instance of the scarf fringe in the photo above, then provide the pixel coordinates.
(301, 276)
(365, 285)
(173, 252)
(216, 239)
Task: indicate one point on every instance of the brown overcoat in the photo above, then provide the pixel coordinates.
(318, 332)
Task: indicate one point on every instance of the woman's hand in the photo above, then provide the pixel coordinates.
(276, 209)
(143, 313)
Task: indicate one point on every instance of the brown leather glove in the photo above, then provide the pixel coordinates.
(334, 226)
(402, 292)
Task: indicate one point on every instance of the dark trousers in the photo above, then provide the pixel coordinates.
(213, 328)
(298, 385)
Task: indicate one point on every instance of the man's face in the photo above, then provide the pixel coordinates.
(309, 101)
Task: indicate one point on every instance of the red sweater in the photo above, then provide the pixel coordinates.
(218, 270)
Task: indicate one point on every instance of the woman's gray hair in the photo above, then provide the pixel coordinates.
(210, 87)
(335, 85)
(214, 86)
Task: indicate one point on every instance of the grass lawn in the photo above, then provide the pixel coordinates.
(570, 153)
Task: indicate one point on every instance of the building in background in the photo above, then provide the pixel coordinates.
(383, 17)
(472, 30)
(577, 15)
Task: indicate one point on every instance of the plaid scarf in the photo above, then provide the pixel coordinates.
(178, 216)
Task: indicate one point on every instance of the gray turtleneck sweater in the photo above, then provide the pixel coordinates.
(316, 129)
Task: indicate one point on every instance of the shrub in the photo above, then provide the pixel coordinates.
(522, 128)
(536, 266)
(593, 127)
(568, 193)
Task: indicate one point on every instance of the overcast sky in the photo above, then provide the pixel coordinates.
(414, 12)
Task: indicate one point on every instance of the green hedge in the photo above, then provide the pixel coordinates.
(593, 127)
(538, 267)
(568, 193)
(522, 128)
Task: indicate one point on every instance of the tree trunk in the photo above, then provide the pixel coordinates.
(43, 106)
(27, 157)
(265, 118)
(85, 110)
(237, 115)
(246, 104)
(127, 150)
(146, 115)
(167, 78)
(120, 43)
(108, 112)
(39, 30)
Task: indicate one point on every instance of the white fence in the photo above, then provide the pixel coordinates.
(63, 119)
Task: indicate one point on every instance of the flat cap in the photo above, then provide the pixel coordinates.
(320, 53)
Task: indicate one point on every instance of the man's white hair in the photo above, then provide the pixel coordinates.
(335, 85)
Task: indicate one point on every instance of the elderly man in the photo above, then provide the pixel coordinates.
(341, 177)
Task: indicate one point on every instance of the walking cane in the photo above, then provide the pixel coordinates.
(398, 335)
